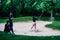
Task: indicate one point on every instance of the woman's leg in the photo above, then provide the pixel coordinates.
(35, 26)
(32, 26)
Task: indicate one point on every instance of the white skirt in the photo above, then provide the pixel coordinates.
(34, 22)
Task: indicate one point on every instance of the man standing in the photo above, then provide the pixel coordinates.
(11, 26)
(11, 22)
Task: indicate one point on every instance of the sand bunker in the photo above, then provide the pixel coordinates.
(23, 28)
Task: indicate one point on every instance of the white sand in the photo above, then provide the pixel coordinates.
(24, 28)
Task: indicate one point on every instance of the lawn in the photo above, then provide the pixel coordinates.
(7, 36)
(45, 18)
(18, 19)
(26, 18)
(54, 25)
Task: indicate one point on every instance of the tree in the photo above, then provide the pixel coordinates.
(48, 6)
(43, 7)
(0, 8)
(16, 7)
(5, 5)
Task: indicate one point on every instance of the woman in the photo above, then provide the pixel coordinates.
(34, 23)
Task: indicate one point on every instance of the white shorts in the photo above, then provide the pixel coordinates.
(34, 22)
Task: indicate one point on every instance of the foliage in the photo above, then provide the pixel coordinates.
(28, 7)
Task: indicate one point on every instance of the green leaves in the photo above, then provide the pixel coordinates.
(58, 5)
(42, 6)
(29, 6)
(8, 2)
(34, 4)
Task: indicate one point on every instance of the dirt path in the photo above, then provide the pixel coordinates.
(23, 28)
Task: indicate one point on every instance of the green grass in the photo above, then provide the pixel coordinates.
(49, 19)
(18, 19)
(22, 19)
(29, 18)
(26, 18)
(6, 36)
(45, 18)
(3, 20)
(54, 25)
(57, 19)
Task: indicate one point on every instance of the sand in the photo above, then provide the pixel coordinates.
(24, 28)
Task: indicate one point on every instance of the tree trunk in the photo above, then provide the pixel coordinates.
(52, 18)
(12, 7)
(23, 10)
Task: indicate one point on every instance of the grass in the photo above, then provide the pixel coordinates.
(49, 18)
(57, 19)
(54, 25)
(45, 18)
(18, 19)
(26, 18)
(22, 19)
(7, 36)
(3, 20)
